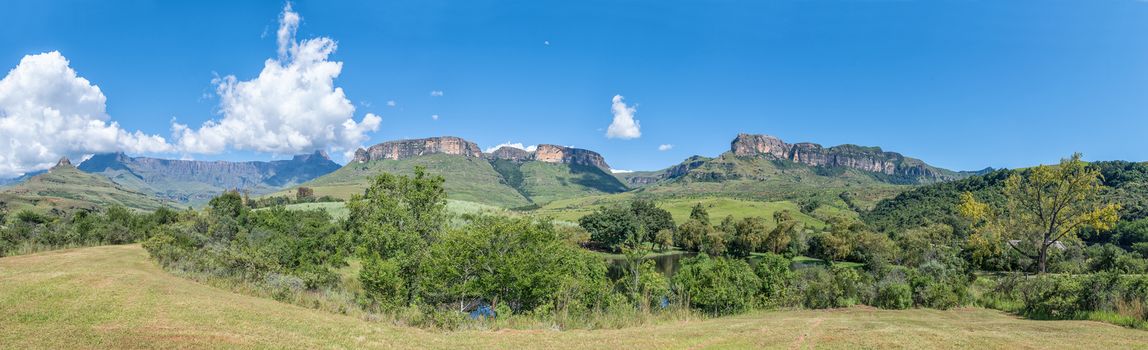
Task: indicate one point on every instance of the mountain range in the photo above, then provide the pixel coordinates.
(758, 167)
(194, 182)
(63, 187)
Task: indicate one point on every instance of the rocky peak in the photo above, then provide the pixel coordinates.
(318, 155)
(553, 154)
(63, 163)
(510, 153)
(404, 149)
(871, 159)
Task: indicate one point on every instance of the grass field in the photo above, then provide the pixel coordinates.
(468, 179)
(338, 210)
(115, 297)
(717, 207)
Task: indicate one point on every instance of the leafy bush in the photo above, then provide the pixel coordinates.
(832, 287)
(938, 285)
(383, 283)
(893, 295)
(776, 278)
(717, 286)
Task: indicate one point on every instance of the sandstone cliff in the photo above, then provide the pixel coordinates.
(404, 149)
(553, 154)
(871, 159)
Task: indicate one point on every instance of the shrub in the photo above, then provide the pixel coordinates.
(837, 286)
(938, 285)
(776, 278)
(717, 286)
(893, 295)
(383, 282)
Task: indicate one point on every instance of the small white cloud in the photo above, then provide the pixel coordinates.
(434, 117)
(517, 145)
(620, 171)
(436, 93)
(47, 111)
(665, 147)
(624, 125)
(391, 103)
(547, 43)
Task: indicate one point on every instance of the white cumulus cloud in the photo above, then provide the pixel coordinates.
(47, 111)
(436, 93)
(517, 145)
(434, 116)
(620, 171)
(391, 103)
(665, 147)
(624, 126)
(293, 106)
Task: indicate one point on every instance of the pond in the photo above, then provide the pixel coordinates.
(666, 264)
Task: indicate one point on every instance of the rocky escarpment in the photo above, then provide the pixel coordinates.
(405, 149)
(553, 154)
(871, 159)
(191, 180)
(643, 178)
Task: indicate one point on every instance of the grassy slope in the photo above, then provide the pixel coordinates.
(547, 182)
(467, 179)
(747, 186)
(763, 179)
(69, 188)
(114, 297)
(338, 210)
(198, 193)
(717, 207)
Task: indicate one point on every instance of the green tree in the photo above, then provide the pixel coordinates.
(518, 262)
(717, 286)
(783, 231)
(776, 277)
(1045, 205)
(749, 236)
(699, 213)
(651, 217)
(396, 219)
(610, 226)
(691, 234)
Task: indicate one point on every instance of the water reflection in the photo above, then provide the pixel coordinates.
(667, 264)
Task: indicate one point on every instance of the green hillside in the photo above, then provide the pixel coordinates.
(546, 182)
(467, 179)
(1124, 182)
(115, 297)
(757, 178)
(64, 187)
(745, 186)
(501, 183)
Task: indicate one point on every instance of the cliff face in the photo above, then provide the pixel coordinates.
(553, 154)
(871, 159)
(170, 178)
(404, 149)
(510, 153)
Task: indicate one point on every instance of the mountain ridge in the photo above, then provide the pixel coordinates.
(192, 181)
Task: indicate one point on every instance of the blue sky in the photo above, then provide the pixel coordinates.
(961, 84)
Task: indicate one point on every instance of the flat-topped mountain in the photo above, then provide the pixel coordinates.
(192, 181)
(553, 154)
(406, 149)
(507, 177)
(871, 159)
